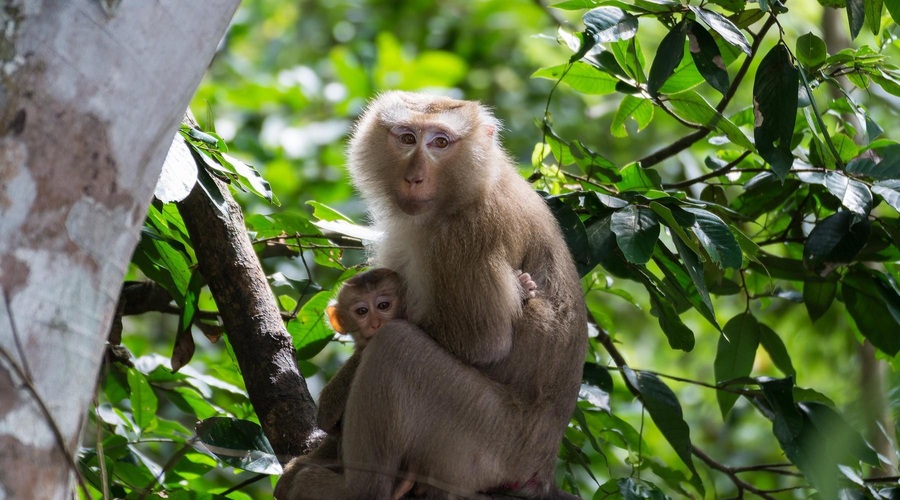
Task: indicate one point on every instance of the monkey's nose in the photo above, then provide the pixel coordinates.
(412, 180)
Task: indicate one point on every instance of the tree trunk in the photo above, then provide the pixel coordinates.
(89, 103)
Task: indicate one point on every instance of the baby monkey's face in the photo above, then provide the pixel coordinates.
(372, 312)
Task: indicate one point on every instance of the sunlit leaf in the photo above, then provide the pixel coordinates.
(639, 110)
(716, 238)
(179, 173)
(309, 329)
(582, 77)
(725, 28)
(238, 443)
(890, 191)
(143, 400)
(853, 194)
(608, 24)
(811, 51)
(691, 107)
(635, 178)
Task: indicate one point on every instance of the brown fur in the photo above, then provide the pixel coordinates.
(480, 393)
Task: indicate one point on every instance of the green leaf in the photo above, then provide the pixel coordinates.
(873, 9)
(818, 296)
(787, 422)
(665, 411)
(890, 191)
(725, 28)
(775, 97)
(691, 107)
(853, 194)
(773, 345)
(676, 225)
(608, 24)
(763, 193)
(707, 57)
(639, 110)
(278, 223)
(597, 375)
(637, 230)
(735, 355)
(695, 270)
(309, 330)
(887, 168)
(668, 56)
(716, 239)
(677, 333)
(322, 211)
(143, 400)
(843, 439)
(635, 178)
(893, 7)
(600, 237)
(239, 443)
(811, 51)
(856, 16)
(864, 296)
(248, 176)
(836, 240)
(582, 77)
(574, 233)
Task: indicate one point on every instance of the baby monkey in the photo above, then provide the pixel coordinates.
(364, 304)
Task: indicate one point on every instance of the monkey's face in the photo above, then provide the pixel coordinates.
(371, 313)
(421, 150)
(421, 154)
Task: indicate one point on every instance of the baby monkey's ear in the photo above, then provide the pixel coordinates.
(334, 319)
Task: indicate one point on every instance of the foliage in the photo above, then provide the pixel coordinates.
(761, 230)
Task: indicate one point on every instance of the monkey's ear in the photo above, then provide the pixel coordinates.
(334, 319)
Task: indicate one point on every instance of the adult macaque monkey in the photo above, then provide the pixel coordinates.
(474, 392)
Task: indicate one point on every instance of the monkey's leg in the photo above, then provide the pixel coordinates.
(412, 404)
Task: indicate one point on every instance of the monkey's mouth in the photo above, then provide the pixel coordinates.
(412, 206)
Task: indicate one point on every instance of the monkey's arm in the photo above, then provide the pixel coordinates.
(334, 395)
(478, 327)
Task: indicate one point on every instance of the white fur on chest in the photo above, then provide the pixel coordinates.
(404, 249)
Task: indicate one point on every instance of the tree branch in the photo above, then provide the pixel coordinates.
(262, 346)
(690, 139)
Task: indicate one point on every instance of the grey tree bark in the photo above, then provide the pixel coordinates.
(91, 93)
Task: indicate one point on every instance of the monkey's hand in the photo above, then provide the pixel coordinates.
(529, 287)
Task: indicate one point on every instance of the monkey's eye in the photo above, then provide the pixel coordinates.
(440, 142)
(383, 306)
(407, 138)
(362, 311)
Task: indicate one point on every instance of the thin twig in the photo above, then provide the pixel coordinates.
(715, 173)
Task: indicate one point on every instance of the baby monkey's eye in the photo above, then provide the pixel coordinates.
(362, 311)
(407, 138)
(384, 306)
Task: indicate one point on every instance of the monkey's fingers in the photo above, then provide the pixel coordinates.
(528, 285)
